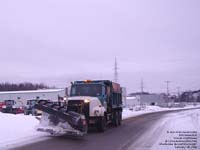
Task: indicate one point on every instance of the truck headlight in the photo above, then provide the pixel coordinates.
(14, 107)
(4, 106)
(86, 100)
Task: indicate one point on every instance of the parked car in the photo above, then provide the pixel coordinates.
(11, 106)
(1, 104)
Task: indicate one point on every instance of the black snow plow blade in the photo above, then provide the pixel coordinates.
(75, 120)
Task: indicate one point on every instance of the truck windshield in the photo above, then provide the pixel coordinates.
(86, 90)
(31, 102)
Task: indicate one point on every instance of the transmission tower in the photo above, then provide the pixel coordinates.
(116, 71)
(142, 86)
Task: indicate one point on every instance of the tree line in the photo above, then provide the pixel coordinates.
(22, 86)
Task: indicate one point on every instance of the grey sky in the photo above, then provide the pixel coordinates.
(58, 41)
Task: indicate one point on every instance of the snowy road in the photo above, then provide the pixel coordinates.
(144, 132)
(174, 131)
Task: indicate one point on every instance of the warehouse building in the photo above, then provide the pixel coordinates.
(146, 99)
(152, 99)
(124, 96)
(23, 96)
(132, 101)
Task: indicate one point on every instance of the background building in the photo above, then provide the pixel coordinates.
(146, 99)
(23, 96)
(132, 101)
(124, 100)
(152, 99)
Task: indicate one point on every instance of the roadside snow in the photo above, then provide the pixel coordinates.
(16, 129)
(127, 113)
(179, 130)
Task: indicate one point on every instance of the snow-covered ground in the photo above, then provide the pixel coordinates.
(178, 131)
(15, 129)
(127, 113)
(18, 129)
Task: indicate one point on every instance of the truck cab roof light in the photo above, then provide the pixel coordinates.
(87, 81)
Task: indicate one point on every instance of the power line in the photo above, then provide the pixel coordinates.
(178, 90)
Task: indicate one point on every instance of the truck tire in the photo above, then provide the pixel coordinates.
(3, 111)
(116, 118)
(14, 111)
(25, 113)
(120, 117)
(101, 124)
(34, 112)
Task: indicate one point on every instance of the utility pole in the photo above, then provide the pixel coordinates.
(142, 86)
(167, 82)
(116, 71)
(178, 93)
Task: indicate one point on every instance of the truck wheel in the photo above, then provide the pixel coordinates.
(14, 111)
(34, 113)
(120, 117)
(101, 125)
(25, 113)
(116, 119)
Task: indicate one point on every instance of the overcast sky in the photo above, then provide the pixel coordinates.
(56, 41)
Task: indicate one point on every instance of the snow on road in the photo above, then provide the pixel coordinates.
(18, 129)
(177, 131)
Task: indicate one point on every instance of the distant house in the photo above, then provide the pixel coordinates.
(23, 96)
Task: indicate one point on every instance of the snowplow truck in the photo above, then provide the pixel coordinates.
(90, 104)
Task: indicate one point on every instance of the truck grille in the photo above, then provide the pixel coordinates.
(79, 106)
